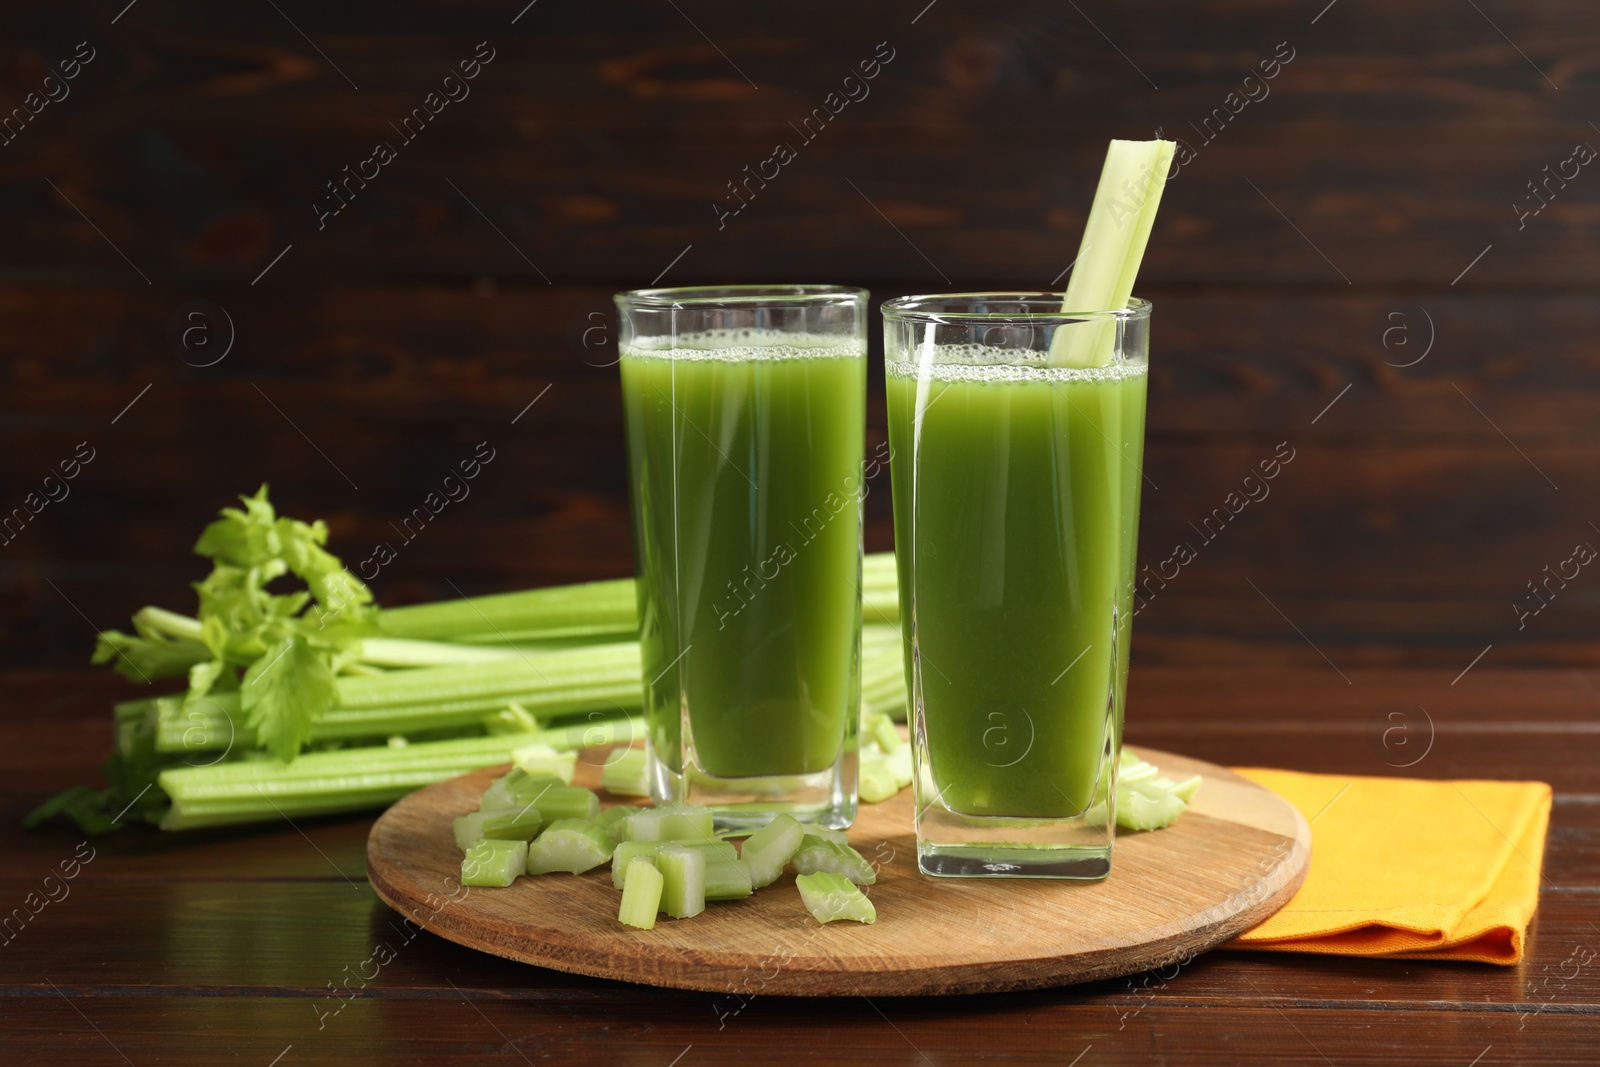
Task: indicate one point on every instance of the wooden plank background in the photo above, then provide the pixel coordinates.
(1357, 215)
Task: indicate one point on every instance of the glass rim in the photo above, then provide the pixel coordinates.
(928, 307)
(700, 297)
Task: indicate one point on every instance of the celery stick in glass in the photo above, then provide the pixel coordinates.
(767, 851)
(1114, 241)
(494, 863)
(570, 845)
(624, 775)
(668, 822)
(641, 896)
(683, 872)
(832, 896)
(610, 818)
(820, 854)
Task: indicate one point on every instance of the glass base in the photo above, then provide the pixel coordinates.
(826, 798)
(1000, 861)
(952, 845)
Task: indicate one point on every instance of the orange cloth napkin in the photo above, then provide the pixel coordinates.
(1412, 869)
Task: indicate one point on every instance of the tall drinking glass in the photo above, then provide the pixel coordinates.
(1016, 511)
(745, 411)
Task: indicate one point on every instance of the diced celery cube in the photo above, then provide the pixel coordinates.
(641, 900)
(900, 765)
(826, 834)
(541, 759)
(885, 734)
(494, 863)
(1143, 806)
(727, 878)
(608, 818)
(875, 780)
(1186, 789)
(504, 824)
(819, 854)
(556, 802)
(571, 845)
(623, 856)
(668, 822)
(515, 787)
(829, 897)
(626, 774)
(767, 851)
(683, 873)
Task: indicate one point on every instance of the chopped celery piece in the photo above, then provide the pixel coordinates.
(566, 802)
(668, 822)
(1147, 808)
(540, 758)
(1186, 789)
(715, 852)
(885, 734)
(625, 775)
(571, 845)
(900, 765)
(515, 788)
(875, 780)
(608, 819)
(819, 854)
(767, 851)
(498, 824)
(683, 873)
(494, 863)
(829, 897)
(826, 834)
(726, 878)
(624, 854)
(641, 898)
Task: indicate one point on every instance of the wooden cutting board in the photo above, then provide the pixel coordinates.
(1235, 857)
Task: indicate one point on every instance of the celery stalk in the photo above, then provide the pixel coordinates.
(623, 855)
(493, 863)
(767, 851)
(829, 897)
(683, 873)
(570, 845)
(1114, 240)
(641, 897)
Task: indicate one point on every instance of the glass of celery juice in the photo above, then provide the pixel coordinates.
(745, 417)
(1017, 434)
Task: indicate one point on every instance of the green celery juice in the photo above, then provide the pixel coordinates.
(745, 458)
(1022, 520)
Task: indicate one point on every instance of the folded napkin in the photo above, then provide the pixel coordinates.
(1410, 869)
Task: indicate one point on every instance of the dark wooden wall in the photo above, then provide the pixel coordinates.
(1329, 221)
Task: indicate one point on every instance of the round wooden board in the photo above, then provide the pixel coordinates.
(1235, 857)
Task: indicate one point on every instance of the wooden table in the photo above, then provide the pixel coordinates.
(228, 949)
